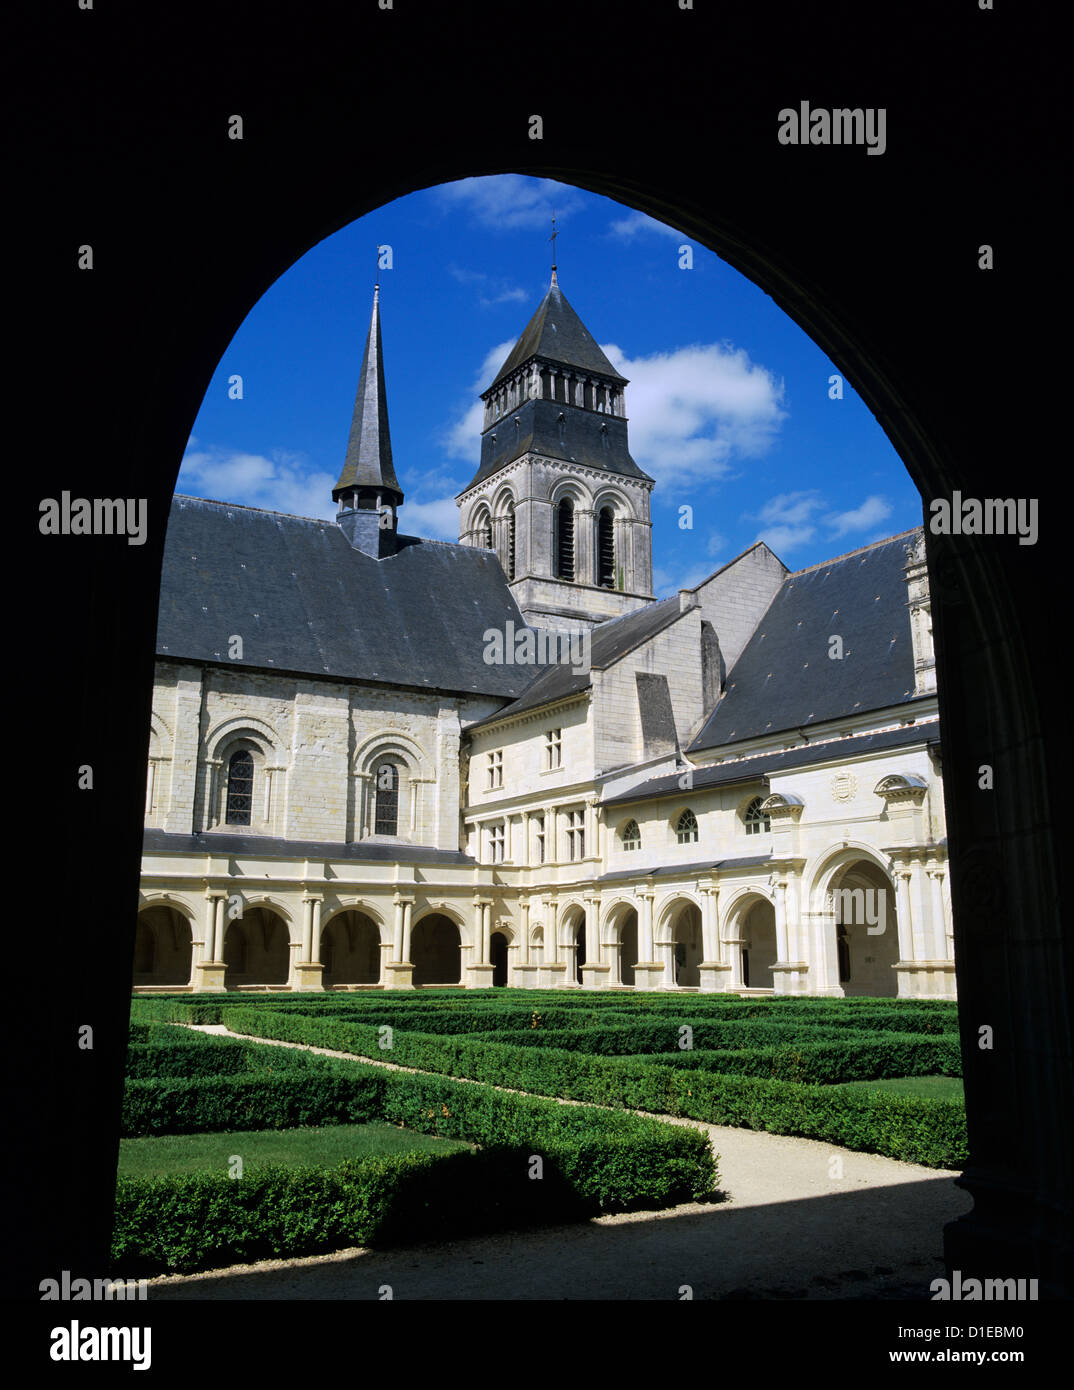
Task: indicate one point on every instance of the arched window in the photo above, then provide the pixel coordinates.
(606, 548)
(631, 835)
(756, 821)
(686, 828)
(240, 787)
(386, 821)
(565, 539)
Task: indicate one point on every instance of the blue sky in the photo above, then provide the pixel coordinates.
(728, 401)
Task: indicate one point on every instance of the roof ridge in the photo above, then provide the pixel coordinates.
(246, 507)
(885, 540)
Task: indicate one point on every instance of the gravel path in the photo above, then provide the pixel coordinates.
(799, 1219)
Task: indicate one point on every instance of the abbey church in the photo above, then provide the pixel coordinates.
(353, 785)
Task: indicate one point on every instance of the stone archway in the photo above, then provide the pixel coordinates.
(686, 946)
(627, 940)
(436, 951)
(866, 931)
(350, 950)
(758, 934)
(256, 949)
(498, 958)
(163, 947)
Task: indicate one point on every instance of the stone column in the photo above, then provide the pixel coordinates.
(903, 919)
(480, 965)
(397, 932)
(398, 971)
(622, 531)
(938, 931)
(218, 928)
(714, 972)
(551, 844)
(647, 972)
(919, 911)
(524, 929)
(307, 931)
(526, 857)
(408, 907)
(309, 972)
(584, 559)
(209, 971)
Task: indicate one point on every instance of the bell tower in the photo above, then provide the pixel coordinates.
(557, 495)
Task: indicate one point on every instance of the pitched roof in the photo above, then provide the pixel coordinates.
(304, 601)
(582, 436)
(557, 334)
(758, 769)
(785, 679)
(370, 851)
(368, 461)
(608, 642)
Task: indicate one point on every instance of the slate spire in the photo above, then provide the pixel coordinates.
(367, 468)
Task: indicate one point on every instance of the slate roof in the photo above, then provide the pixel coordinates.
(759, 768)
(557, 334)
(608, 642)
(305, 602)
(368, 461)
(161, 842)
(673, 870)
(785, 679)
(583, 436)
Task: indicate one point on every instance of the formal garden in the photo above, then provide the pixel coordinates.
(238, 1149)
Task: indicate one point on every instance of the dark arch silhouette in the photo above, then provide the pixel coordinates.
(904, 314)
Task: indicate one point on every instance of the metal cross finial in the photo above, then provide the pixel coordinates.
(552, 239)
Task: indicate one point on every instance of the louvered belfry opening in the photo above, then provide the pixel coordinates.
(510, 565)
(565, 539)
(606, 548)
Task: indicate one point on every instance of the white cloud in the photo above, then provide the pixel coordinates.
(668, 581)
(695, 411)
(462, 438)
(438, 519)
(872, 511)
(791, 519)
(627, 228)
(498, 291)
(278, 482)
(505, 202)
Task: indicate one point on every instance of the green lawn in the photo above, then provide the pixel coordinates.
(930, 1087)
(327, 1146)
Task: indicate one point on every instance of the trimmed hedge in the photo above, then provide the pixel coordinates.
(184, 1223)
(909, 1128)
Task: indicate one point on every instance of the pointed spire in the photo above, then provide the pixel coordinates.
(368, 462)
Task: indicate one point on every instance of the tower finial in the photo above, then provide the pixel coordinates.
(376, 278)
(552, 239)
